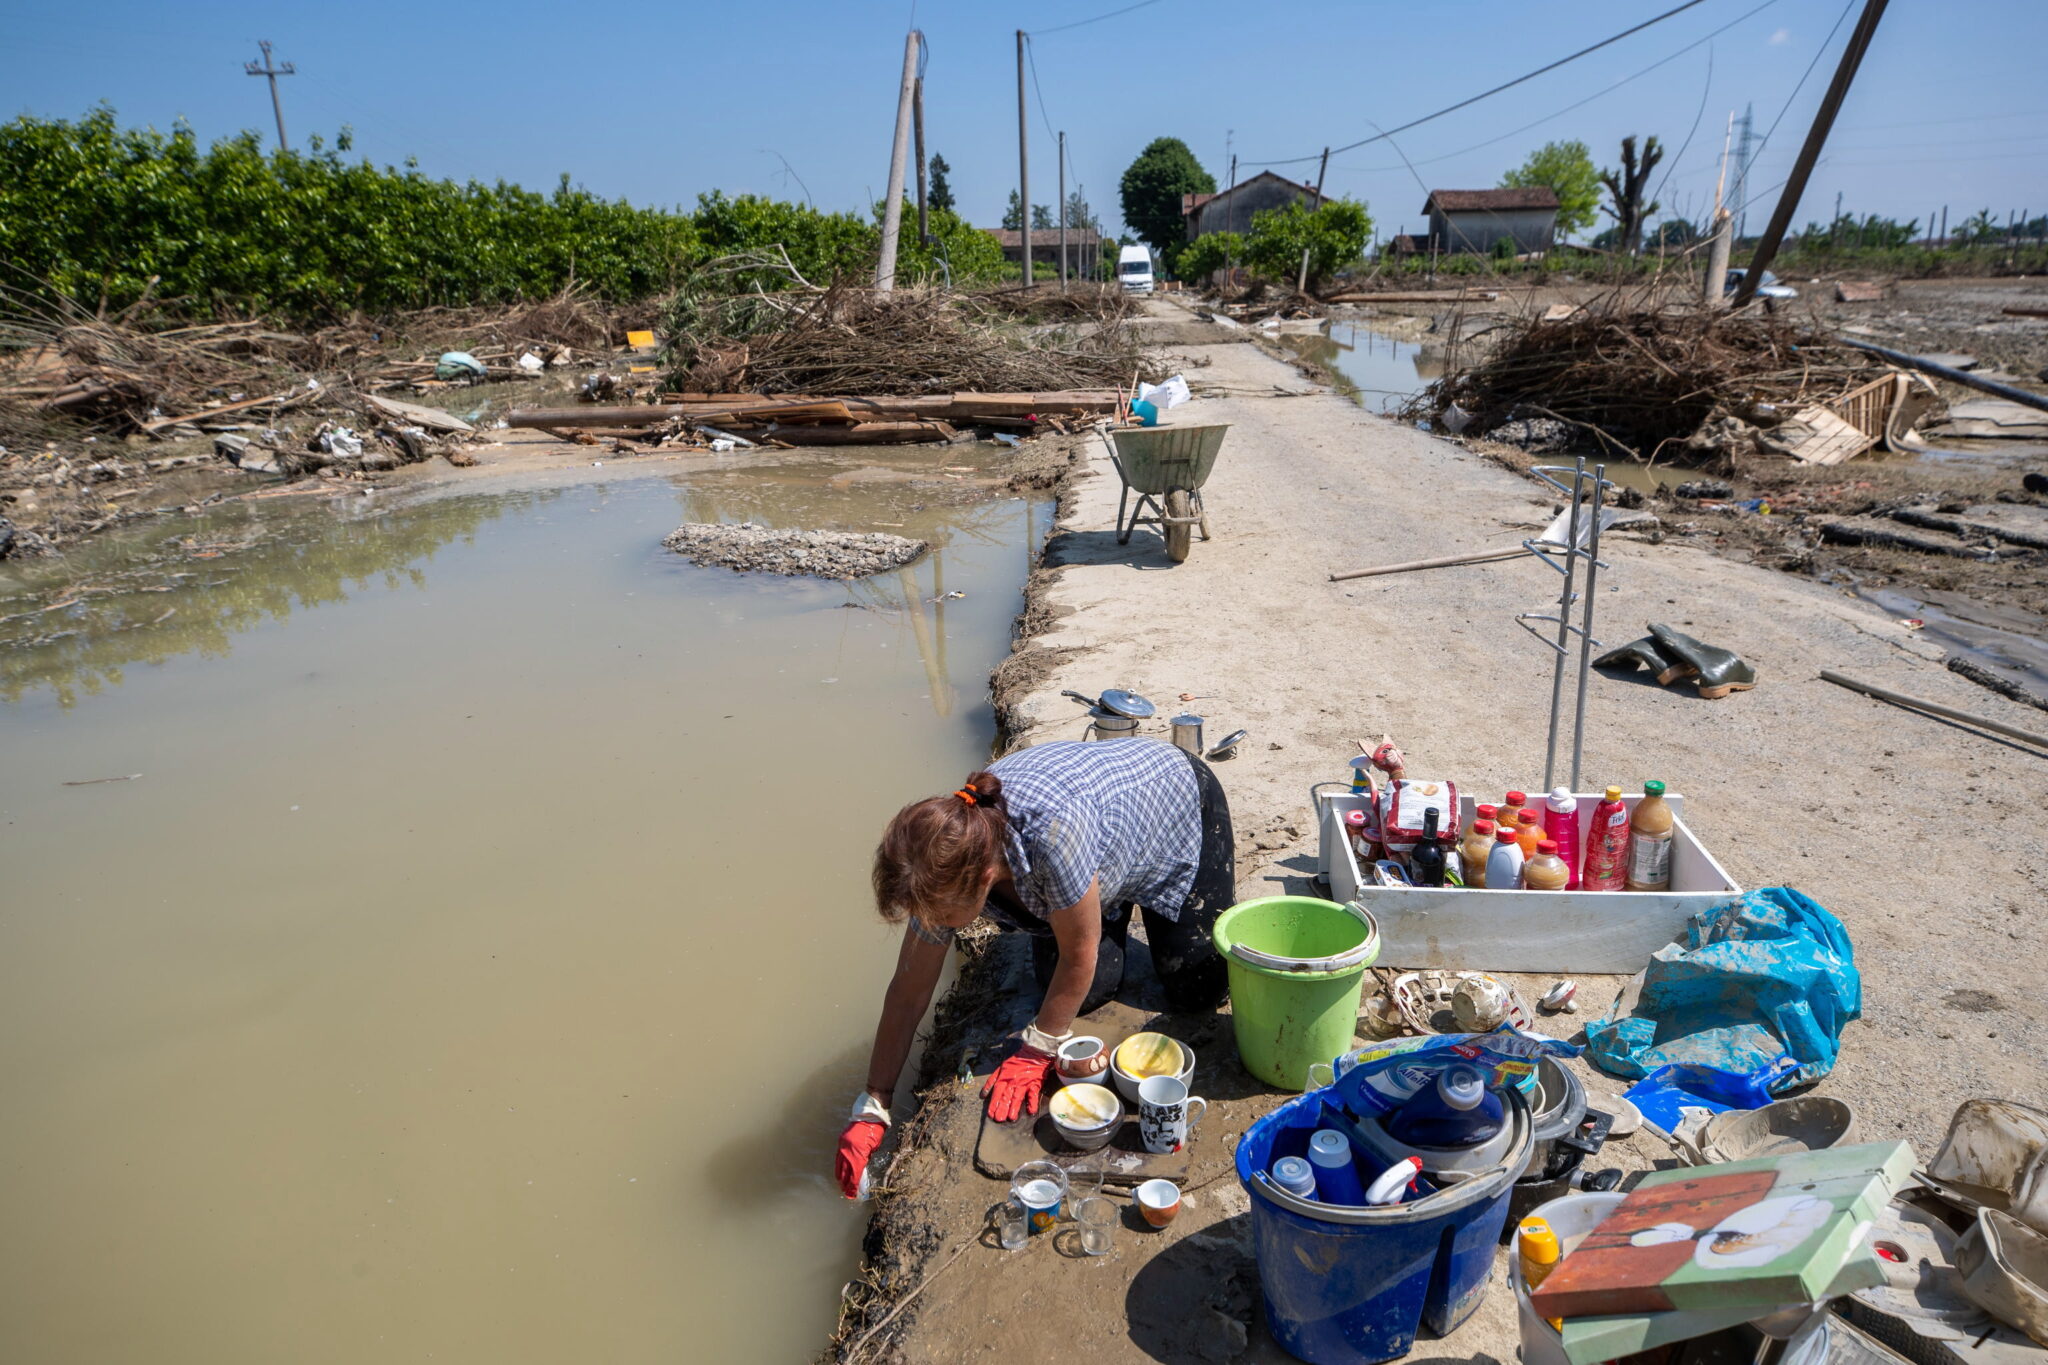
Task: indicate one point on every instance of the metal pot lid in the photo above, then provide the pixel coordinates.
(1130, 704)
(1229, 742)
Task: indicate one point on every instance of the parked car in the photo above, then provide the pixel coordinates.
(1134, 269)
(1769, 289)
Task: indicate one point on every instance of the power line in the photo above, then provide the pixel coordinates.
(1083, 23)
(1698, 114)
(1576, 104)
(1802, 78)
(1505, 85)
(1031, 57)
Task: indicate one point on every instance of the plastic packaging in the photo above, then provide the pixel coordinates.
(1649, 841)
(1402, 804)
(1381, 1078)
(1457, 1112)
(1504, 862)
(1336, 1174)
(1606, 864)
(1561, 824)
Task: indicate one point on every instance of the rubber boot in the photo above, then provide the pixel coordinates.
(1644, 653)
(1720, 671)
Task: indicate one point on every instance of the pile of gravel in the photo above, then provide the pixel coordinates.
(797, 554)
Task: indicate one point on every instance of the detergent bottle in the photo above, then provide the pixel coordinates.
(1337, 1182)
(1458, 1111)
(1504, 862)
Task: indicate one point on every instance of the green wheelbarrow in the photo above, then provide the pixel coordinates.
(1165, 467)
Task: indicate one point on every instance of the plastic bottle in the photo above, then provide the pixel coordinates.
(1426, 859)
(1457, 1111)
(1537, 1249)
(1561, 822)
(1337, 1182)
(1546, 871)
(1490, 814)
(1649, 841)
(1528, 832)
(1478, 844)
(1606, 862)
(1511, 803)
(1393, 1183)
(1504, 862)
(1295, 1176)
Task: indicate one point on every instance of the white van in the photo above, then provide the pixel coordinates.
(1134, 269)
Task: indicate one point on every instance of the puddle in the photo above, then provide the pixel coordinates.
(482, 965)
(1371, 369)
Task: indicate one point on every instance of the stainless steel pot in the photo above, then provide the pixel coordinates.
(1109, 725)
(1187, 733)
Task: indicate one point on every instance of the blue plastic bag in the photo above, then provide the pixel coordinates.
(1767, 977)
(1381, 1077)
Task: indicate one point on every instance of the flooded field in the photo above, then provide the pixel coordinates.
(473, 958)
(1375, 370)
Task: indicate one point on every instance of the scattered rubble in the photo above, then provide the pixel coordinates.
(751, 548)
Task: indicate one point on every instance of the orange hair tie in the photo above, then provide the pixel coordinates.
(968, 795)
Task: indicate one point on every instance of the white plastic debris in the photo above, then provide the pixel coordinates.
(1170, 393)
(723, 444)
(341, 441)
(532, 363)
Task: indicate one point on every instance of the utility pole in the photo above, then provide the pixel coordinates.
(1301, 285)
(1063, 211)
(1023, 165)
(924, 226)
(1713, 289)
(892, 209)
(1944, 225)
(1230, 218)
(272, 71)
(1816, 138)
(1739, 195)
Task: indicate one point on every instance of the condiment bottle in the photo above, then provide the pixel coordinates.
(1606, 845)
(1355, 829)
(1527, 832)
(1546, 871)
(1504, 862)
(1478, 843)
(1561, 823)
(1649, 841)
(1426, 859)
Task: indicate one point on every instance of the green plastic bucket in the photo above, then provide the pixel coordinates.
(1297, 969)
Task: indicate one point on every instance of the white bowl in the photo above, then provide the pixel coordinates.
(1085, 1116)
(1127, 1084)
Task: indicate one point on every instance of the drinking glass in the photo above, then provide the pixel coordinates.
(1013, 1224)
(1083, 1184)
(1097, 1217)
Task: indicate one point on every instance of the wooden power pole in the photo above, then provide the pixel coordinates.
(899, 151)
(1301, 285)
(1063, 211)
(1816, 138)
(273, 71)
(1023, 165)
(924, 225)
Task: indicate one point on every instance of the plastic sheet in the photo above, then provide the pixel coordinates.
(1768, 977)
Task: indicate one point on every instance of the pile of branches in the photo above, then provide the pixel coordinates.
(1081, 302)
(1640, 377)
(728, 333)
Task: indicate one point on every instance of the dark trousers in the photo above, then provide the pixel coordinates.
(1183, 953)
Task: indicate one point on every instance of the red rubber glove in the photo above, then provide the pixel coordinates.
(856, 1145)
(1015, 1086)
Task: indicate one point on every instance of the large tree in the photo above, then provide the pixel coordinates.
(1567, 169)
(1079, 215)
(1013, 216)
(940, 195)
(1625, 189)
(1152, 187)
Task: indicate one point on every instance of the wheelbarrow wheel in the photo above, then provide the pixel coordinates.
(1180, 528)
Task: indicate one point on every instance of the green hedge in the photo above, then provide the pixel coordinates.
(92, 211)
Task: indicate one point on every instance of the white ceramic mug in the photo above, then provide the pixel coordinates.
(1166, 1111)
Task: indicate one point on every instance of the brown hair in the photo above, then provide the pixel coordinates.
(935, 851)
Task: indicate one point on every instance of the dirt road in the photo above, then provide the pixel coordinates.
(1924, 837)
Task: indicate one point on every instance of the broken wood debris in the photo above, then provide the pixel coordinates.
(808, 420)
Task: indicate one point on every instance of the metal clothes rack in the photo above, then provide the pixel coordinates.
(1582, 541)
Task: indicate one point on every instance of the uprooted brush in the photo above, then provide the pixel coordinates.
(1641, 378)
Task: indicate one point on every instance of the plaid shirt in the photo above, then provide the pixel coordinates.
(1123, 813)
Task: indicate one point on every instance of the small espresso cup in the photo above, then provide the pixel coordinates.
(1081, 1061)
(1166, 1111)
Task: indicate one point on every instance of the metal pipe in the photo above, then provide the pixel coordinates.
(1934, 708)
(1564, 626)
(1586, 623)
(1964, 377)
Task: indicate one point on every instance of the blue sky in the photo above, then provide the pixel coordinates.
(656, 103)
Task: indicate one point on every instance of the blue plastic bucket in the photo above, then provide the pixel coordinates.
(1351, 1285)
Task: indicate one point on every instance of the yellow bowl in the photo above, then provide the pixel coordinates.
(1086, 1116)
(1143, 1066)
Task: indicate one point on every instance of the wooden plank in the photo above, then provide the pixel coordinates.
(204, 413)
(2026, 312)
(433, 419)
(1418, 296)
(864, 434)
(1833, 440)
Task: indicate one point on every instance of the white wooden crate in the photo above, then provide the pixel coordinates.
(1597, 932)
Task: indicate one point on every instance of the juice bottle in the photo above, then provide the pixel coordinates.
(1472, 853)
(1527, 831)
(1510, 806)
(1489, 813)
(1546, 871)
(1649, 842)
(1504, 862)
(1607, 845)
(1561, 823)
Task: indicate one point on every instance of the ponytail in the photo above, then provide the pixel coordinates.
(936, 852)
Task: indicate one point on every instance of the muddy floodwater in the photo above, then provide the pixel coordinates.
(481, 964)
(1370, 368)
